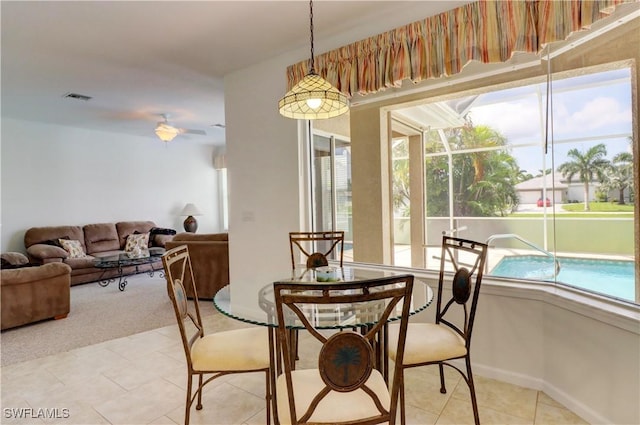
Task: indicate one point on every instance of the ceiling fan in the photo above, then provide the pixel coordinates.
(167, 131)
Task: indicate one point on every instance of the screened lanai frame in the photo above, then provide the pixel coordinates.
(464, 226)
(547, 244)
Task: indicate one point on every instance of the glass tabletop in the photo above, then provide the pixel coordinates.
(129, 258)
(262, 310)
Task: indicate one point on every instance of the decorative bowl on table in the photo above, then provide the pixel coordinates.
(327, 274)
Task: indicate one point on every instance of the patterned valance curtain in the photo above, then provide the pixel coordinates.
(441, 45)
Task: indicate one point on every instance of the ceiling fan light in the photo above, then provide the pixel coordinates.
(313, 98)
(166, 133)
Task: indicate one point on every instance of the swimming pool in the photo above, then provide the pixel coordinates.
(611, 277)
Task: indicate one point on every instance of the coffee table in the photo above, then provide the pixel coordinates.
(126, 259)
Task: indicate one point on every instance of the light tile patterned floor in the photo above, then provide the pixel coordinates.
(141, 380)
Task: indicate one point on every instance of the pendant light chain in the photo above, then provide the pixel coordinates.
(313, 97)
(312, 70)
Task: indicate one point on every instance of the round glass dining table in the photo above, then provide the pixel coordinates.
(261, 310)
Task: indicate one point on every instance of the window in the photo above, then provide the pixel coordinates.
(554, 201)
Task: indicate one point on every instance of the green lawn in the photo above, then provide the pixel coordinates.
(599, 207)
(575, 215)
(597, 210)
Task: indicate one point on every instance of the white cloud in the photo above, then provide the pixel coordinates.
(515, 120)
(601, 114)
(521, 119)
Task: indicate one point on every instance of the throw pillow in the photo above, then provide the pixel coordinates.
(73, 247)
(137, 242)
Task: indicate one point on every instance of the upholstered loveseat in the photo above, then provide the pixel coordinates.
(209, 258)
(96, 240)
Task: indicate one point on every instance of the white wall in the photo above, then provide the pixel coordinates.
(55, 175)
(575, 192)
(579, 349)
(263, 174)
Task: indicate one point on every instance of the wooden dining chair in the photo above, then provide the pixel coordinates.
(316, 247)
(217, 354)
(345, 387)
(447, 339)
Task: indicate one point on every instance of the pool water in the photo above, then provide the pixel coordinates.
(615, 278)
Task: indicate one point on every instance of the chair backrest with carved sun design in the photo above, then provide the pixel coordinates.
(316, 247)
(466, 259)
(347, 385)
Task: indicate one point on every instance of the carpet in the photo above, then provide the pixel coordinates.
(97, 314)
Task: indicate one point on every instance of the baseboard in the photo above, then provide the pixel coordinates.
(575, 406)
(509, 377)
(555, 393)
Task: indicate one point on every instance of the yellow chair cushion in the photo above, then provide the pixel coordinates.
(241, 349)
(427, 342)
(336, 407)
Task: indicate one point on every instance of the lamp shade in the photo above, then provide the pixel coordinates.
(166, 133)
(190, 209)
(313, 98)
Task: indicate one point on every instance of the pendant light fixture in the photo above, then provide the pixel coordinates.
(313, 97)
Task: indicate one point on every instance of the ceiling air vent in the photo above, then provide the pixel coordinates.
(77, 96)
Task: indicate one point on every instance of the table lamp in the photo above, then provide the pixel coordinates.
(190, 223)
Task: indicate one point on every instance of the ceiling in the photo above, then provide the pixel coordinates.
(139, 60)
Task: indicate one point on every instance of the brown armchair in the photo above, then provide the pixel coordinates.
(210, 261)
(31, 294)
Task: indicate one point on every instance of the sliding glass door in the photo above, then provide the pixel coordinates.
(331, 183)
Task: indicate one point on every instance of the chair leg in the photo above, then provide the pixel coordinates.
(472, 391)
(267, 379)
(403, 416)
(443, 388)
(199, 405)
(188, 403)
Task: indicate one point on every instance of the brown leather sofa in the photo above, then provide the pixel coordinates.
(31, 294)
(97, 240)
(209, 259)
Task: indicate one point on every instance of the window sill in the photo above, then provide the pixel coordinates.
(621, 314)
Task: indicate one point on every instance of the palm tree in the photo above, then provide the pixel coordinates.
(481, 136)
(586, 165)
(482, 175)
(497, 194)
(619, 176)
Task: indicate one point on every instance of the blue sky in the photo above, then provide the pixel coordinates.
(590, 107)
